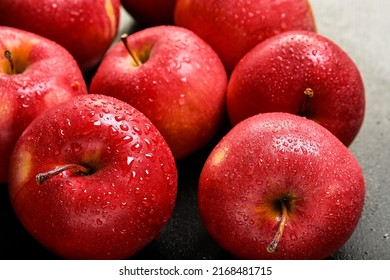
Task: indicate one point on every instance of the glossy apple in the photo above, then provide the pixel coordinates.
(174, 78)
(35, 74)
(280, 186)
(86, 28)
(151, 12)
(233, 27)
(301, 73)
(93, 179)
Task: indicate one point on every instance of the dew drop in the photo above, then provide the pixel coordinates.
(124, 127)
(130, 160)
(119, 118)
(145, 202)
(127, 138)
(113, 130)
(97, 123)
(182, 100)
(136, 147)
(137, 130)
(61, 133)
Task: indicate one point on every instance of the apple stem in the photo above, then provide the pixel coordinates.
(309, 93)
(42, 177)
(273, 246)
(8, 56)
(138, 62)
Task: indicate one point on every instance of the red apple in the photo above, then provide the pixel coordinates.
(92, 178)
(233, 27)
(151, 12)
(174, 78)
(280, 186)
(35, 74)
(86, 28)
(301, 73)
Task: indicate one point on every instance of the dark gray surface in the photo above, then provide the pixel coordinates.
(362, 29)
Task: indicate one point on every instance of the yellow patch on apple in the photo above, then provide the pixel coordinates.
(5, 109)
(111, 15)
(220, 156)
(23, 169)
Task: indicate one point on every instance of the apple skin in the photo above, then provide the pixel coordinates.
(151, 12)
(275, 157)
(112, 212)
(46, 75)
(86, 28)
(275, 74)
(180, 85)
(233, 27)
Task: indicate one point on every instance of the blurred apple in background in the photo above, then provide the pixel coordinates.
(280, 186)
(86, 28)
(151, 12)
(93, 178)
(174, 78)
(35, 74)
(233, 27)
(302, 73)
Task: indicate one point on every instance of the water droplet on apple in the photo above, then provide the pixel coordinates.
(113, 130)
(105, 204)
(119, 118)
(136, 147)
(146, 202)
(124, 127)
(182, 100)
(137, 130)
(61, 133)
(97, 123)
(127, 138)
(149, 156)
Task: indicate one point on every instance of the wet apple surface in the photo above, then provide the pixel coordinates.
(360, 27)
(93, 169)
(281, 186)
(29, 83)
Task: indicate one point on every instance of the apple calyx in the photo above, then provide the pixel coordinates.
(135, 57)
(42, 177)
(273, 246)
(309, 93)
(8, 56)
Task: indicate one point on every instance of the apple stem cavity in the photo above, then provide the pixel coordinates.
(138, 62)
(309, 93)
(42, 177)
(273, 246)
(8, 56)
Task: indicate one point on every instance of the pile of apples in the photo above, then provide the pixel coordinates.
(91, 164)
